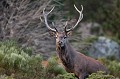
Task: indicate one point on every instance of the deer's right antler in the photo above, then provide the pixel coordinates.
(45, 18)
(79, 19)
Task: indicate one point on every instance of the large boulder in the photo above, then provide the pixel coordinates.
(104, 47)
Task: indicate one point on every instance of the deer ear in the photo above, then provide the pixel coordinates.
(53, 34)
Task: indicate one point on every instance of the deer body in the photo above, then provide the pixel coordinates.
(73, 61)
(78, 63)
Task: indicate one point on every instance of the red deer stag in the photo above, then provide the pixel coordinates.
(73, 61)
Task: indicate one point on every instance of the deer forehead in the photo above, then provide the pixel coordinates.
(61, 34)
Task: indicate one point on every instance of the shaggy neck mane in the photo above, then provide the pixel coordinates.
(66, 55)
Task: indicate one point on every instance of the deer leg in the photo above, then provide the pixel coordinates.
(76, 76)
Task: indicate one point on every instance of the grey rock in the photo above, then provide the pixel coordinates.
(104, 47)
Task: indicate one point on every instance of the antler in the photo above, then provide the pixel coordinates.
(45, 18)
(79, 19)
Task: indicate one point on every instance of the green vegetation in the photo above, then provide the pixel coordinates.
(54, 67)
(6, 77)
(11, 56)
(66, 76)
(17, 62)
(100, 75)
(112, 65)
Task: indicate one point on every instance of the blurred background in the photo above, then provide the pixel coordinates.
(24, 36)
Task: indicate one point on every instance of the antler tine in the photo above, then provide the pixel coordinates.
(45, 18)
(51, 10)
(53, 23)
(54, 26)
(79, 19)
(66, 25)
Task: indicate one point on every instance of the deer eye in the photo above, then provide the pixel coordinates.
(56, 36)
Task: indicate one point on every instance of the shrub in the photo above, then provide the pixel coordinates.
(66, 76)
(18, 61)
(112, 65)
(100, 75)
(11, 55)
(6, 77)
(54, 67)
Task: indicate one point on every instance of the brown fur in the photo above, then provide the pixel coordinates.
(76, 62)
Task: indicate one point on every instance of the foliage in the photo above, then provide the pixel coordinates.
(54, 67)
(100, 75)
(6, 77)
(11, 56)
(66, 76)
(111, 18)
(113, 66)
(14, 60)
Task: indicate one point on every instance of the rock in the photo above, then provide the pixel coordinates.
(104, 47)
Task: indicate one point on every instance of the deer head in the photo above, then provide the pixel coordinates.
(61, 37)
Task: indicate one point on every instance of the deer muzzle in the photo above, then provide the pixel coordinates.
(61, 44)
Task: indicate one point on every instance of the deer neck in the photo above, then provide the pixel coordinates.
(66, 54)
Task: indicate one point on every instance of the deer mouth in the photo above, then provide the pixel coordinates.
(61, 45)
